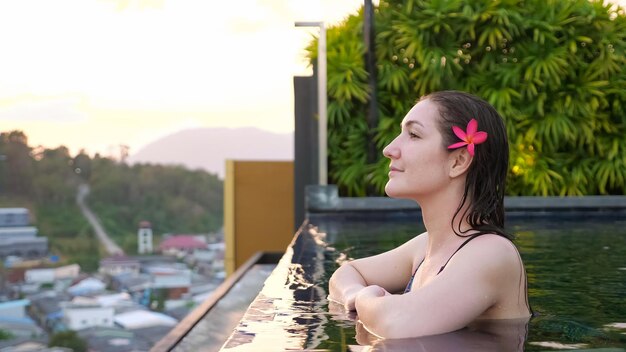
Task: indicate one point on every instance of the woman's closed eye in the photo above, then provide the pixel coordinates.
(413, 135)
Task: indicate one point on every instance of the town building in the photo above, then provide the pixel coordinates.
(15, 321)
(179, 245)
(50, 275)
(144, 238)
(119, 264)
(17, 238)
(114, 339)
(47, 310)
(87, 286)
(85, 313)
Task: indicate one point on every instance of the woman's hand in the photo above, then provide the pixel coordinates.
(390, 270)
(348, 298)
(344, 285)
(338, 312)
(371, 291)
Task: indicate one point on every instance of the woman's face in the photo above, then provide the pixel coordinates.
(418, 158)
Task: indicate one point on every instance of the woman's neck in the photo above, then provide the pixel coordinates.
(438, 214)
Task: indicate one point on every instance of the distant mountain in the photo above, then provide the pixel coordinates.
(208, 148)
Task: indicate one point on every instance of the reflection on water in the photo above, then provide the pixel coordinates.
(577, 287)
(287, 314)
(485, 336)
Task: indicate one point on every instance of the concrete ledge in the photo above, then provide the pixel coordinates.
(176, 336)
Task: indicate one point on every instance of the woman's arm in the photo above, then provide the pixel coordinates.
(390, 270)
(469, 286)
(344, 285)
(432, 309)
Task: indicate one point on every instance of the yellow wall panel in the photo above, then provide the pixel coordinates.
(258, 209)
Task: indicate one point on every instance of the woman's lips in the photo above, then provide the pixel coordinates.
(393, 169)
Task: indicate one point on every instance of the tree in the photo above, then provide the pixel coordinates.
(55, 182)
(5, 335)
(173, 198)
(16, 164)
(69, 339)
(82, 165)
(553, 69)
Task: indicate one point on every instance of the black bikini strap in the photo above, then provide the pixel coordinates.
(408, 286)
(458, 249)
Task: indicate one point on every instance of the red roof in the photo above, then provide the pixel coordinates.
(118, 258)
(182, 242)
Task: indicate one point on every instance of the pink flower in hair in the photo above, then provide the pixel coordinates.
(470, 137)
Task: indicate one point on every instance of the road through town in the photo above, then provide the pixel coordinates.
(103, 237)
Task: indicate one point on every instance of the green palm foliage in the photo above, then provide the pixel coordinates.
(554, 69)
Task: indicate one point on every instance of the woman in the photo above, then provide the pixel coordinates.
(451, 157)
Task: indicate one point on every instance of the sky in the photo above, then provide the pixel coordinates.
(97, 74)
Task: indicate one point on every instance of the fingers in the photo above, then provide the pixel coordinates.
(350, 303)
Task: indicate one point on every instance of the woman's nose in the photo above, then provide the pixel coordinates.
(391, 151)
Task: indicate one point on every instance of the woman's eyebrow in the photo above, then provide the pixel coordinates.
(410, 123)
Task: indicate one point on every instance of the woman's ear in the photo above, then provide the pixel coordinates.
(460, 161)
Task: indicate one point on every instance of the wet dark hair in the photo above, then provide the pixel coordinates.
(485, 182)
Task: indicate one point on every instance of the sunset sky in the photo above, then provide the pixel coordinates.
(96, 74)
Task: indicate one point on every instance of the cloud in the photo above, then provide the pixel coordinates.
(64, 109)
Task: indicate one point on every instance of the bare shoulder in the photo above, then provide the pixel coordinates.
(416, 244)
(414, 249)
(492, 251)
(496, 243)
(419, 240)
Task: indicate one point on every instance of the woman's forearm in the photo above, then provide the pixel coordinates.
(344, 285)
(372, 306)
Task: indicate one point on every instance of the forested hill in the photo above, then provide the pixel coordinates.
(172, 198)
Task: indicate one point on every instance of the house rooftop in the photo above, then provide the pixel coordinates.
(49, 303)
(13, 211)
(29, 344)
(182, 242)
(139, 319)
(118, 258)
(13, 304)
(113, 339)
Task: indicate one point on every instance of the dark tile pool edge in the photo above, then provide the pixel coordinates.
(326, 200)
(178, 333)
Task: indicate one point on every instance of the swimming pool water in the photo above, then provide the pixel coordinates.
(576, 277)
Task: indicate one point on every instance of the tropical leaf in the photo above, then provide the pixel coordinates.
(554, 69)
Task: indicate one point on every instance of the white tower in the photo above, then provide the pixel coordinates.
(144, 238)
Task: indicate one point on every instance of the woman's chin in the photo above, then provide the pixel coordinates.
(398, 193)
(392, 192)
